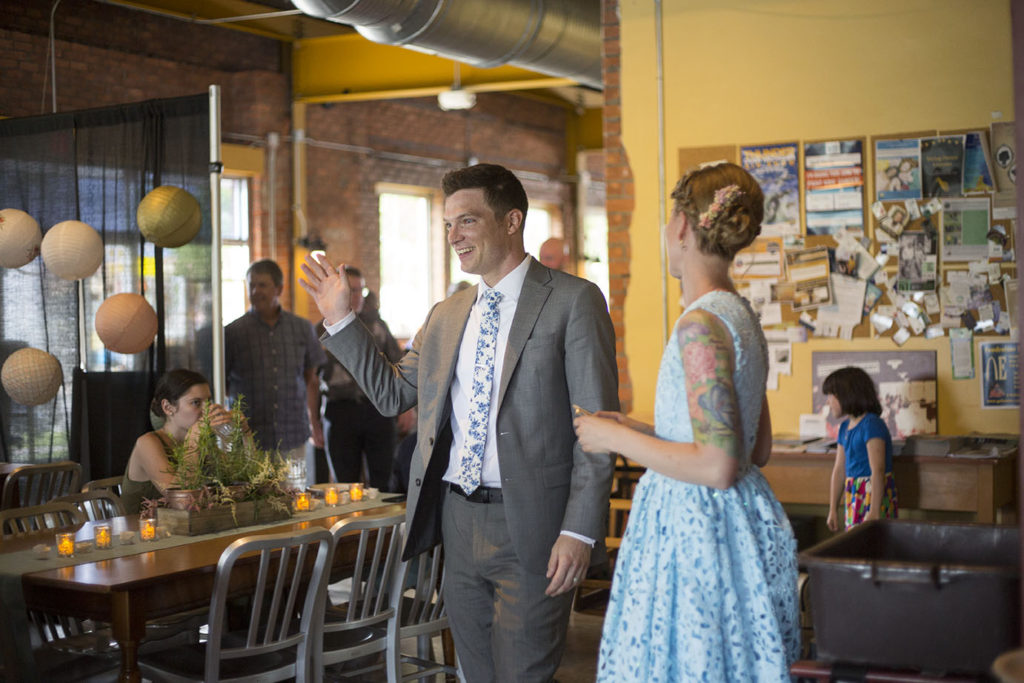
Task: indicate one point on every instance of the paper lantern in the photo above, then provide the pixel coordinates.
(72, 250)
(19, 238)
(126, 323)
(31, 377)
(169, 216)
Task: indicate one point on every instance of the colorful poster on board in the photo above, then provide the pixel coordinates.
(897, 169)
(1000, 365)
(942, 166)
(977, 164)
(965, 226)
(774, 167)
(834, 182)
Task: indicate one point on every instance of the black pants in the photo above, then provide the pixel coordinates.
(353, 429)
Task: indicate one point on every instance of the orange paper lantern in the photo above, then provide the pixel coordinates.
(31, 376)
(19, 238)
(72, 250)
(169, 216)
(126, 323)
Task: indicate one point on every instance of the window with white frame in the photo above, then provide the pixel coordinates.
(408, 256)
(234, 252)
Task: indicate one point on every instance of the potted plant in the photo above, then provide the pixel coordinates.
(222, 480)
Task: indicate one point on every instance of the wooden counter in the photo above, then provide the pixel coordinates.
(982, 486)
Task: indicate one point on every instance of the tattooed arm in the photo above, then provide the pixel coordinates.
(713, 457)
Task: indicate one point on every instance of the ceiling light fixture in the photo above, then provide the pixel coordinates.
(456, 98)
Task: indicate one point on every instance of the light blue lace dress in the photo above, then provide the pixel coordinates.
(705, 585)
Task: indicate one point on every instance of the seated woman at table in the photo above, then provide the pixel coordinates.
(179, 399)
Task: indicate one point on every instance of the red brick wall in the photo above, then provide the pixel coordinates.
(412, 142)
(619, 192)
(108, 55)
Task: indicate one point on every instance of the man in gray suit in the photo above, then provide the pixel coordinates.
(498, 473)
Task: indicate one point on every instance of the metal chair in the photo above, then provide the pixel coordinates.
(96, 504)
(112, 483)
(365, 623)
(29, 520)
(283, 624)
(418, 599)
(30, 485)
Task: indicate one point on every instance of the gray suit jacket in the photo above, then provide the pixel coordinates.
(561, 351)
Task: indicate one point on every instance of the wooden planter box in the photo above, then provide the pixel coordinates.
(220, 517)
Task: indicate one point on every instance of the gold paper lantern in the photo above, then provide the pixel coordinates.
(31, 377)
(19, 238)
(72, 250)
(169, 216)
(126, 323)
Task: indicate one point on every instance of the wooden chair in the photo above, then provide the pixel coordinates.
(112, 483)
(418, 599)
(283, 624)
(365, 623)
(30, 485)
(29, 520)
(96, 504)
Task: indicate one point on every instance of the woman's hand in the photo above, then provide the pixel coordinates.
(874, 512)
(597, 432)
(832, 521)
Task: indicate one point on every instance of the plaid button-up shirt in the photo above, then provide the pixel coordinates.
(266, 365)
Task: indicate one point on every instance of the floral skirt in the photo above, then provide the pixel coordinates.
(858, 499)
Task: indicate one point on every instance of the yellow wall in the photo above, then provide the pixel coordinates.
(764, 71)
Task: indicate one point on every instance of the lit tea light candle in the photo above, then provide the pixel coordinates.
(356, 491)
(102, 536)
(302, 502)
(147, 529)
(331, 496)
(66, 544)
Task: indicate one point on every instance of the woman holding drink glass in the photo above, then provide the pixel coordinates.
(179, 399)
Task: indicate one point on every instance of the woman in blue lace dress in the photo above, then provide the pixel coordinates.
(705, 584)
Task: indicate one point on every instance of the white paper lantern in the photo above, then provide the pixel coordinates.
(126, 323)
(72, 250)
(31, 377)
(19, 238)
(169, 216)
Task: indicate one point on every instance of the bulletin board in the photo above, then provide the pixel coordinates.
(920, 275)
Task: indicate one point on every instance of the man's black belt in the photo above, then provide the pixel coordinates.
(482, 494)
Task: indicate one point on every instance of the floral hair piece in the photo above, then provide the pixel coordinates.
(723, 198)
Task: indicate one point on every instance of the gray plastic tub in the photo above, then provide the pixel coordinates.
(916, 595)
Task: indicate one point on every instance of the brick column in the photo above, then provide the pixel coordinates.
(619, 193)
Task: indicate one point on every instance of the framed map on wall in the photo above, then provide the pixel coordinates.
(906, 383)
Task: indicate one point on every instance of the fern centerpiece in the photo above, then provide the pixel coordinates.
(222, 480)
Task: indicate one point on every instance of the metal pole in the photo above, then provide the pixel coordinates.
(662, 200)
(216, 324)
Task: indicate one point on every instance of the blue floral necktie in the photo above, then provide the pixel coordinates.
(472, 456)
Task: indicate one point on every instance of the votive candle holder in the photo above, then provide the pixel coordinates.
(66, 544)
(147, 529)
(331, 496)
(102, 536)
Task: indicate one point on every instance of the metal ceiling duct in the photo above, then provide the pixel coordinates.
(555, 37)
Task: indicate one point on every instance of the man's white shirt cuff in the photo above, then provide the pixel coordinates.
(579, 537)
(337, 327)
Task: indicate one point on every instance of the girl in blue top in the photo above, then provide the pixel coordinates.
(863, 453)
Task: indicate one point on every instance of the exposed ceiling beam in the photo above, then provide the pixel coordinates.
(347, 68)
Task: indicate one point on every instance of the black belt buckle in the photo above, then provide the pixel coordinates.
(482, 494)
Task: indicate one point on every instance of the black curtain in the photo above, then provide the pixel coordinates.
(95, 166)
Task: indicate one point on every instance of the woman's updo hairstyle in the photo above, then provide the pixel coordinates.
(723, 204)
(172, 386)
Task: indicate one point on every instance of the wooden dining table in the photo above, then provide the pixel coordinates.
(128, 591)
